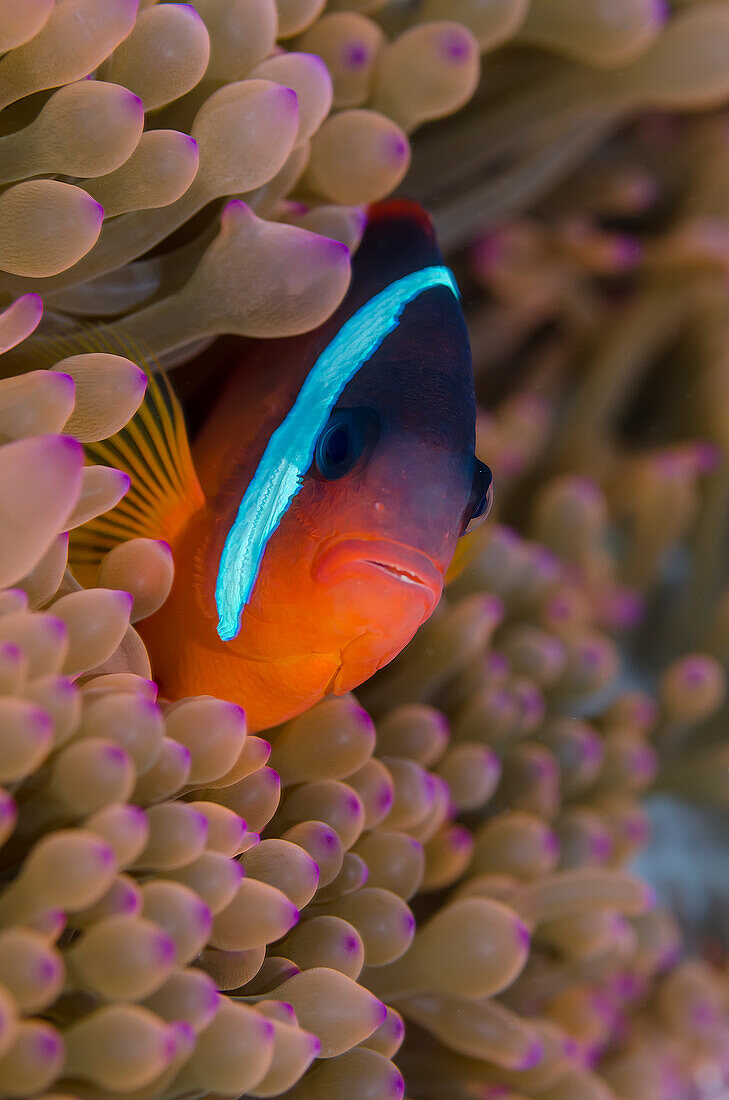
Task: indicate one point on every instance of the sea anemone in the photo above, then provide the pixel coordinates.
(133, 229)
(437, 879)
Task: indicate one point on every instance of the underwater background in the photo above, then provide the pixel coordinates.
(499, 872)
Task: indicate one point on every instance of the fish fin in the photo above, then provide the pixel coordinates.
(65, 338)
(400, 209)
(468, 549)
(153, 449)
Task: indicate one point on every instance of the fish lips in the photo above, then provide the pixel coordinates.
(380, 559)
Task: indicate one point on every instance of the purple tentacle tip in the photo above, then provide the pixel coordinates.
(107, 857)
(204, 916)
(695, 672)
(396, 147)
(397, 1026)
(523, 934)
(571, 1047)
(601, 846)
(284, 1006)
(48, 1046)
(192, 11)
(364, 719)
(397, 1086)
(290, 98)
(385, 798)
(637, 830)
(703, 1014)
(592, 748)
(71, 445)
(455, 46)
(551, 844)
(661, 11)
(171, 1046)
(460, 838)
(130, 903)
(649, 893)
(337, 248)
(707, 455)
(8, 808)
(185, 1032)
(533, 1056)
(65, 379)
(166, 949)
(115, 754)
(41, 722)
(442, 722)
(355, 55)
(125, 598)
(48, 970)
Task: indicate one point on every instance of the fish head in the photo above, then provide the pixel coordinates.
(340, 541)
(358, 563)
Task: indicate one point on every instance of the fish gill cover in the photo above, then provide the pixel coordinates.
(440, 884)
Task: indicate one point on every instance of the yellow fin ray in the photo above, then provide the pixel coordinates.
(153, 449)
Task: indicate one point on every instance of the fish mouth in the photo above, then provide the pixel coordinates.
(400, 563)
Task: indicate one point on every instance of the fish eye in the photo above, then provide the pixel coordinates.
(481, 498)
(342, 442)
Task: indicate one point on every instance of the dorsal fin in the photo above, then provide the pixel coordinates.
(153, 449)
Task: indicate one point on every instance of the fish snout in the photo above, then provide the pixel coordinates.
(391, 564)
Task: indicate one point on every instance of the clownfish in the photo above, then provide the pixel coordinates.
(314, 516)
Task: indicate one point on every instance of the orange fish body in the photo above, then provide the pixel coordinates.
(353, 545)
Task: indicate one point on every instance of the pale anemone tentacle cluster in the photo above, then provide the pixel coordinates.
(186, 107)
(190, 910)
(545, 814)
(125, 907)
